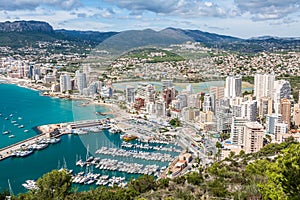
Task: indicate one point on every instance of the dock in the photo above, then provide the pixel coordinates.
(47, 131)
(6, 151)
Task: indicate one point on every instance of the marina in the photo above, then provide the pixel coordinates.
(135, 154)
(25, 153)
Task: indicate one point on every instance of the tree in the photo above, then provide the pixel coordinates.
(283, 176)
(142, 184)
(175, 122)
(194, 178)
(53, 185)
(218, 145)
(163, 182)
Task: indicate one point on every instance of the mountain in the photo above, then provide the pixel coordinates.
(93, 37)
(29, 33)
(200, 36)
(26, 26)
(128, 40)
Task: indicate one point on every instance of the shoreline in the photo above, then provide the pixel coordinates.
(114, 109)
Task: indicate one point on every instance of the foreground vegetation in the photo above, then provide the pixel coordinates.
(272, 173)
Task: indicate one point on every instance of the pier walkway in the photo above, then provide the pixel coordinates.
(6, 151)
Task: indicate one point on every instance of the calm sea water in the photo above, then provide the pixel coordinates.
(30, 110)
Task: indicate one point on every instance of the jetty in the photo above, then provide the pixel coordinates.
(47, 132)
(6, 151)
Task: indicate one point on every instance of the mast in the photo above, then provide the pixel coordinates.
(10, 189)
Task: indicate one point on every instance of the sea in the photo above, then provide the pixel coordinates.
(27, 107)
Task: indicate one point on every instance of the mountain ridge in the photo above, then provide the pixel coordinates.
(20, 33)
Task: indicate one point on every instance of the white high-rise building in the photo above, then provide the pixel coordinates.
(207, 103)
(233, 86)
(237, 130)
(249, 110)
(65, 83)
(263, 85)
(81, 81)
(271, 121)
(282, 89)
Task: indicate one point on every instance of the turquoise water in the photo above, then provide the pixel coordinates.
(30, 109)
(37, 110)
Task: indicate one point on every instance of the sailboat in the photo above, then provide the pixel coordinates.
(10, 190)
(65, 167)
(4, 132)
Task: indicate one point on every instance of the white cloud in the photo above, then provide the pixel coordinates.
(268, 9)
(181, 8)
(33, 4)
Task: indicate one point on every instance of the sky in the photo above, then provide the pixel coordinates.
(239, 18)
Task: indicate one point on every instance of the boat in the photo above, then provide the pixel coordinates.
(5, 132)
(21, 126)
(11, 115)
(13, 122)
(19, 118)
(25, 131)
(11, 136)
(129, 137)
(54, 140)
(6, 118)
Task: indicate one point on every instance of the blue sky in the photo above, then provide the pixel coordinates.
(240, 18)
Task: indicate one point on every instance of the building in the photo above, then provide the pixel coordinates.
(160, 108)
(207, 104)
(193, 101)
(65, 83)
(282, 89)
(253, 137)
(182, 101)
(263, 85)
(249, 110)
(218, 91)
(130, 94)
(81, 81)
(265, 106)
(233, 86)
(168, 95)
(296, 114)
(271, 121)
(237, 131)
(285, 110)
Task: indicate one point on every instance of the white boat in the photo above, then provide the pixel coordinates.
(11, 136)
(19, 118)
(21, 126)
(5, 132)
(25, 131)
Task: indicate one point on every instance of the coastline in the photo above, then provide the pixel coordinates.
(114, 109)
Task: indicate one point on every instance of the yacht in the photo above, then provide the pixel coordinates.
(25, 131)
(21, 126)
(11, 136)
